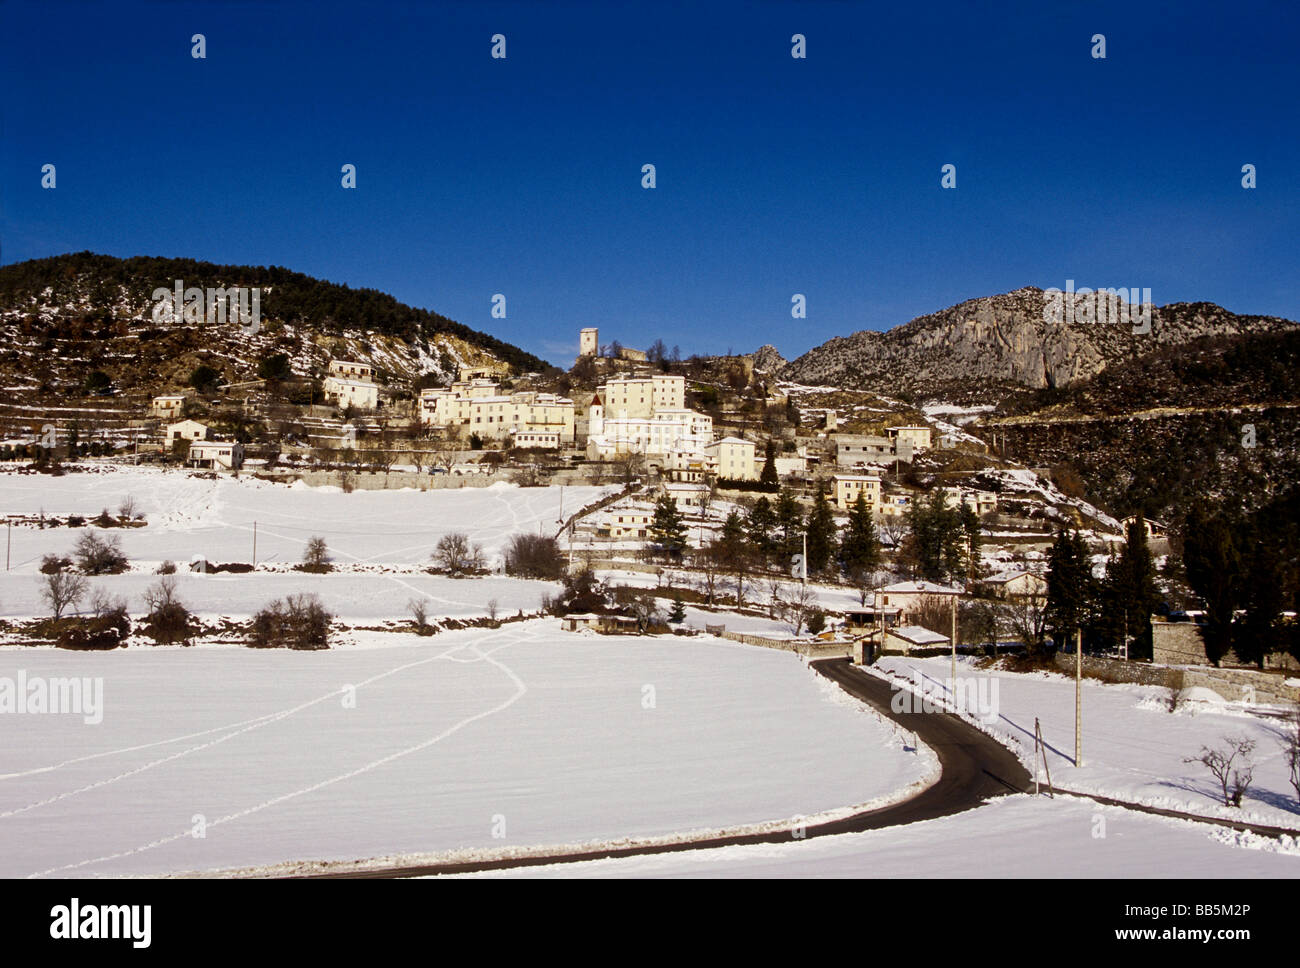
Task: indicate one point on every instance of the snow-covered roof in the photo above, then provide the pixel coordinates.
(1005, 576)
(917, 635)
(921, 588)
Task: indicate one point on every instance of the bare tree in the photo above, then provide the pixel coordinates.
(127, 509)
(103, 604)
(99, 556)
(800, 605)
(456, 555)
(419, 610)
(61, 589)
(1176, 690)
(933, 612)
(316, 556)
(710, 561)
(775, 603)
(1234, 780)
(492, 609)
(168, 619)
(892, 530)
(1291, 751)
(1027, 619)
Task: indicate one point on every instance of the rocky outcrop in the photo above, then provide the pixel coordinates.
(767, 359)
(1009, 338)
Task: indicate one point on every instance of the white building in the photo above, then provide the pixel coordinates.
(907, 595)
(981, 502)
(916, 436)
(641, 396)
(733, 459)
(343, 392)
(187, 430)
(535, 439)
(478, 407)
(352, 370)
(225, 455)
(847, 487)
(664, 432)
(167, 406)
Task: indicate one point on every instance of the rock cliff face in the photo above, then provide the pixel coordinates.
(1010, 339)
(767, 359)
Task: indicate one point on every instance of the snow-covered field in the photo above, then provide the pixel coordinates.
(189, 516)
(1019, 836)
(1133, 747)
(529, 732)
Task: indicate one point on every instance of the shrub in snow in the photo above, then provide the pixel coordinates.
(297, 622)
(99, 556)
(1231, 766)
(168, 621)
(53, 564)
(534, 556)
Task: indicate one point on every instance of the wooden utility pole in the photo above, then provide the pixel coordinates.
(9, 537)
(1078, 697)
(254, 544)
(954, 647)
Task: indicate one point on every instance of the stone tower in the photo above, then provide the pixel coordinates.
(588, 341)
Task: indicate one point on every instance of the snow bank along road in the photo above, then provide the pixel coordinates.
(975, 768)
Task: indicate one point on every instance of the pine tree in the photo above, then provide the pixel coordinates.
(789, 522)
(1071, 591)
(769, 476)
(860, 545)
(760, 526)
(678, 613)
(1212, 560)
(821, 534)
(1134, 590)
(668, 530)
(937, 541)
(733, 531)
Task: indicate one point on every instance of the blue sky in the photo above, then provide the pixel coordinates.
(775, 175)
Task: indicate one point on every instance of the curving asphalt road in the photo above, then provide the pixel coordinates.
(974, 766)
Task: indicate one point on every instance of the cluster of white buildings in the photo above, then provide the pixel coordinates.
(647, 415)
(475, 404)
(891, 501)
(351, 384)
(644, 415)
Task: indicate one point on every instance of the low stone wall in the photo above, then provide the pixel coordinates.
(393, 480)
(1180, 643)
(1243, 684)
(815, 649)
(1117, 670)
(1232, 684)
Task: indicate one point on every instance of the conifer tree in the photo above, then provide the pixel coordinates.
(769, 476)
(821, 534)
(668, 530)
(860, 545)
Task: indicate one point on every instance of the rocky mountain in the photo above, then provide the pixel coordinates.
(767, 359)
(84, 322)
(1008, 339)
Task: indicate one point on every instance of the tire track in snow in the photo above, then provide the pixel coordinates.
(243, 727)
(521, 689)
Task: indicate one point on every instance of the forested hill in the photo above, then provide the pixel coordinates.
(97, 290)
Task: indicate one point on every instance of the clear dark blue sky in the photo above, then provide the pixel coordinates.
(775, 175)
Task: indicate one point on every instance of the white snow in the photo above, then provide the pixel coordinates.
(1018, 836)
(1133, 748)
(541, 736)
